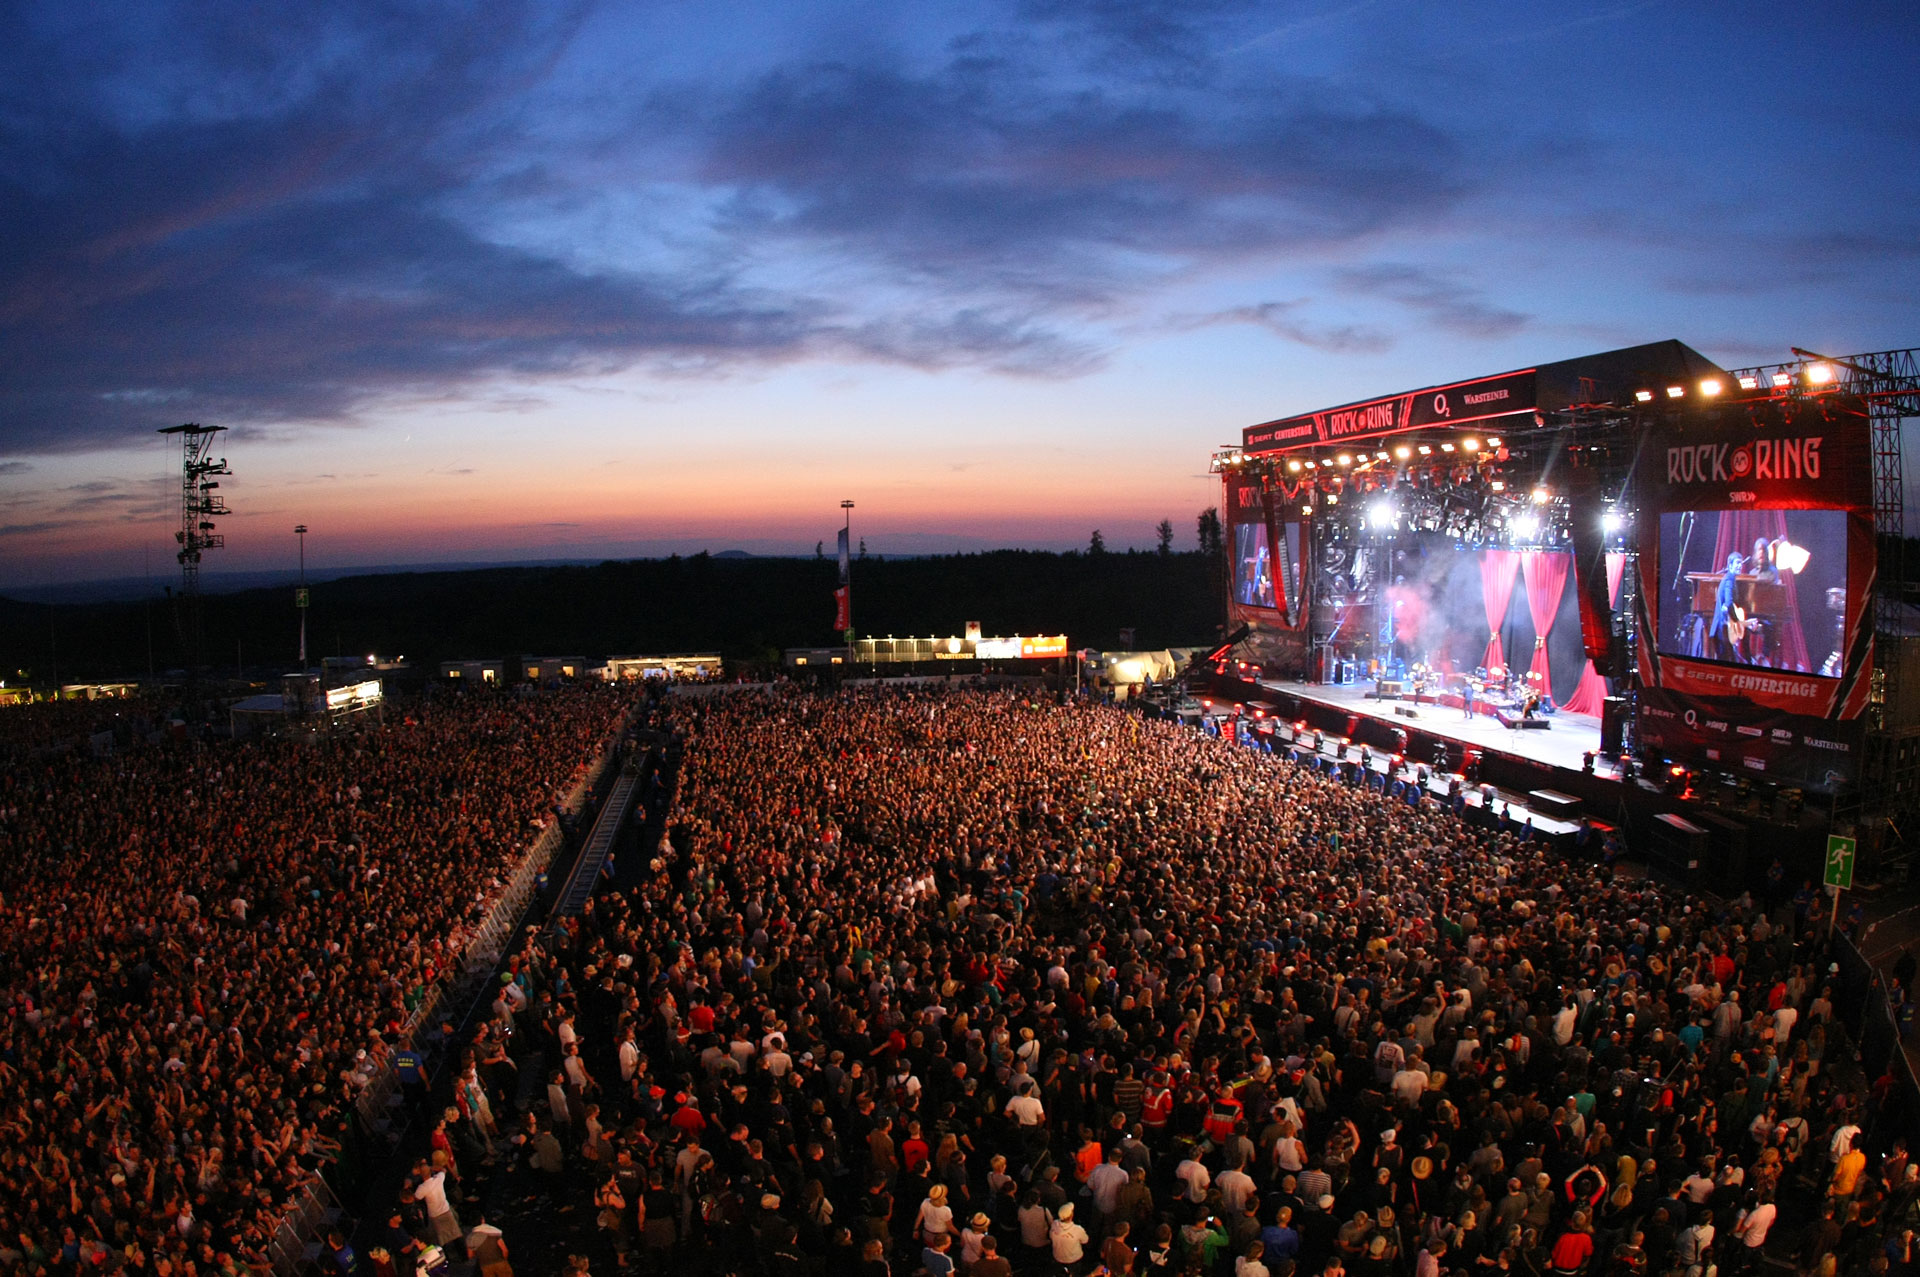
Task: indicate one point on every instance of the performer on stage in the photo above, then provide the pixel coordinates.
(1256, 578)
(1724, 647)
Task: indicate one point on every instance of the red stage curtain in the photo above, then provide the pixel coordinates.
(1590, 693)
(1546, 575)
(1497, 571)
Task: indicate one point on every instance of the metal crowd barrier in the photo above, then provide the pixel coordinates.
(1879, 1033)
(296, 1240)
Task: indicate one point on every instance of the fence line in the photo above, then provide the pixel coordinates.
(1880, 1036)
(316, 1207)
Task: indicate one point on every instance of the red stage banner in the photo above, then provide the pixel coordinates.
(1459, 404)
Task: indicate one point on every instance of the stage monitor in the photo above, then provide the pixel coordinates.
(1756, 588)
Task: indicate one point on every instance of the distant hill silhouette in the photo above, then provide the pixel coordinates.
(743, 606)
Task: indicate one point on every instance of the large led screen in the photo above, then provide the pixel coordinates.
(1758, 588)
(1252, 566)
(1255, 569)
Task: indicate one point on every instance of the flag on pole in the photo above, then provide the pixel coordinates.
(843, 596)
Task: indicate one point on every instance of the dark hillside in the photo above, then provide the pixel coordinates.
(744, 607)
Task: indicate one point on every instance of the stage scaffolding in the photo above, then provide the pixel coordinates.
(1889, 382)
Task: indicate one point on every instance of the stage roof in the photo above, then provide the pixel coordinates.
(1608, 378)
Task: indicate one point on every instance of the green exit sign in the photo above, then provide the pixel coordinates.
(1840, 861)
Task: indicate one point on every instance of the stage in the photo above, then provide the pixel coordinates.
(1561, 744)
(1536, 774)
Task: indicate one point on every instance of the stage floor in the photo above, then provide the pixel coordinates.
(1561, 745)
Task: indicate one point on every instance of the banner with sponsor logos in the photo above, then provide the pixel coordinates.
(1738, 737)
(1757, 559)
(1460, 404)
(1020, 649)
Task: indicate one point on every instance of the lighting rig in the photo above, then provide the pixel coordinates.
(1479, 491)
(200, 504)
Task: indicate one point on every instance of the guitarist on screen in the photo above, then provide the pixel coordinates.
(1729, 619)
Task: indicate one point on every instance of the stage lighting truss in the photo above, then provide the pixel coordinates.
(1524, 522)
(1427, 510)
(1464, 517)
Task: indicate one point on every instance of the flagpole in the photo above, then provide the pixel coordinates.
(846, 577)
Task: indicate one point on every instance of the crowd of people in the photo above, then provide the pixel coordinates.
(30, 731)
(925, 982)
(208, 949)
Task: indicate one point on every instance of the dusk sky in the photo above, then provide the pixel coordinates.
(544, 281)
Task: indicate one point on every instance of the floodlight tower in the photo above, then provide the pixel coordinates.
(200, 504)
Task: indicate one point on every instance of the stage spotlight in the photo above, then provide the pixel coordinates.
(1332, 499)
(1446, 447)
(1379, 456)
(1781, 380)
(1612, 521)
(1749, 383)
(1819, 374)
(1498, 485)
(1306, 509)
(1380, 514)
(1541, 496)
(1676, 392)
(1471, 445)
(1293, 467)
(1313, 465)
(1345, 458)
(1644, 396)
(1793, 558)
(1425, 451)
(1524, 526)
(1710, 386)
(1493, 443)
(1403, 452)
